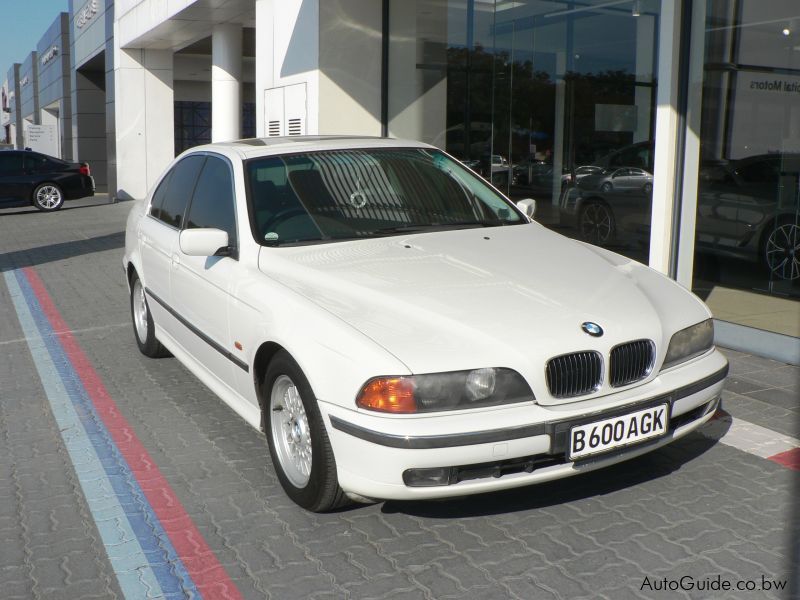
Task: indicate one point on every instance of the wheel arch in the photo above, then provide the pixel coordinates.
(266, 351)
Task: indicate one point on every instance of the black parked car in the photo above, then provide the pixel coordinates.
(28, 177)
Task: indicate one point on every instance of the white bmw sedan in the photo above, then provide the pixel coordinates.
(401, 330)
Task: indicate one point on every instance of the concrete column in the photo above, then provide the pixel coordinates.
(144, 117)
(666, 142)
(226, 82)
(417, 97)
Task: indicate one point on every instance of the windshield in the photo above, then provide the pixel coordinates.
(337, 195)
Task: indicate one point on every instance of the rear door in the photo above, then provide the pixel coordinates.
(41, 168)
(201, 285)
(13, 182)
(158, 236)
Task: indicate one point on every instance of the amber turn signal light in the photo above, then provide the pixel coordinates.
(388, 394)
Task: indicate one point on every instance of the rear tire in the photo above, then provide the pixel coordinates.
(48, 197)
(143, 328)
(298, 442)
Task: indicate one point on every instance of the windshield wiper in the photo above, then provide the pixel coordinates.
(430, 227)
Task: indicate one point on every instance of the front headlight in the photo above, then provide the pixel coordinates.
(444, 391)
(689, 342)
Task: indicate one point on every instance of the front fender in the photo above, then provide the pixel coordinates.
(132, 255)
(336, 358)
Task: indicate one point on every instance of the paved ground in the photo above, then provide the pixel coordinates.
(699, 508)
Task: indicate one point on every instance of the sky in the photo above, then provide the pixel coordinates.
(24, 24)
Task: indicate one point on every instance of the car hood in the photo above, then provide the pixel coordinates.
(504, 297)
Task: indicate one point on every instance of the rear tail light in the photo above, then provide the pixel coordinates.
(84, 169)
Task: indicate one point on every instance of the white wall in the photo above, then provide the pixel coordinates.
(287, 52)
(334, 48)
(417, 98)
(350, 67)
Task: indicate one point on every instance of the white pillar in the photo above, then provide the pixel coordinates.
(666, 142)
(226, 82)
(144, 117)
(691, 157)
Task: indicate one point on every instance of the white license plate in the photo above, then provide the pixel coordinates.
(605, 435)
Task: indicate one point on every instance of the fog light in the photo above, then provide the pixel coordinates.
(427, 477)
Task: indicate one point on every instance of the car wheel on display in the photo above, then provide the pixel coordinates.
(298, 443)
(648, 188)
(781, 249)
(48, 197)
(143, 327)
(606, 187)
(596, 223)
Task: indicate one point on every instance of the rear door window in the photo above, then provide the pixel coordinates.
(159, 195)
(180, 189)
(10, 164)
(214, 204)
(39, 163)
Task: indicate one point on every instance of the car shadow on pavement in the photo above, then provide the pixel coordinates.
(31, 257)
(21, 208)
(630, 473)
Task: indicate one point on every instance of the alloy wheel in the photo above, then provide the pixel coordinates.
(597, 224)
(290, 431)
(140, 311)
(48, 196)
(783, 251)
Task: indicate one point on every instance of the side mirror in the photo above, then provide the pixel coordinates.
(528, 207)
(202, 242)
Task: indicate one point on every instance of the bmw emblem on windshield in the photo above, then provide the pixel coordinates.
(592, 329)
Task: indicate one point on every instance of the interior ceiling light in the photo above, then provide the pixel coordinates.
(786, 31)
(636, 10)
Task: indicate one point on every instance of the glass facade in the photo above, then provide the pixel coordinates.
(556, 101)
(553, 101)
(747, 243)
(193, 123)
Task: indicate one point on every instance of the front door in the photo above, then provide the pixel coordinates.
(201, 284)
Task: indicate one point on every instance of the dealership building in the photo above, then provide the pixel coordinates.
(666, 130)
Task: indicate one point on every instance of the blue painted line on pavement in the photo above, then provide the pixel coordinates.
(141, 554)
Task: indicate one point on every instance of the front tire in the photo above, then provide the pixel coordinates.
(143, 327)
(298, 442)
(48, 197)
(606, 187)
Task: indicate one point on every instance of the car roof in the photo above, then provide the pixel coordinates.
(256, 147)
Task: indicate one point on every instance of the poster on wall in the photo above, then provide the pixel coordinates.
(42, 138)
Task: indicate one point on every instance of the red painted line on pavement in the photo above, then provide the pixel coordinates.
(789, 459)
(201, 563)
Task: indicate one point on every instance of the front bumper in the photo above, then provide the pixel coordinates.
(373, 452)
